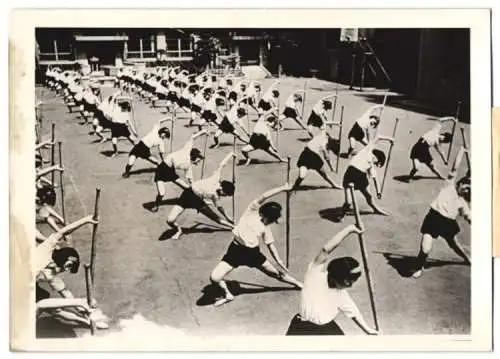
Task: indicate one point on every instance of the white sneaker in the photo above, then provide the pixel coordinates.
(417, 274)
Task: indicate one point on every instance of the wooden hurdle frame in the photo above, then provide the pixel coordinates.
(466, 147)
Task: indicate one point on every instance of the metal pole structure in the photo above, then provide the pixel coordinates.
(287, 222)
(94, 235)
(61, 184)
(364, 257)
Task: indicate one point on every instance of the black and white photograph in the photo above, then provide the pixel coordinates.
(245, 181)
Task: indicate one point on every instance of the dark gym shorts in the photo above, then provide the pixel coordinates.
(310, 160)
(259, 141)
(165, 173)
(356, 177)
(264, 105)
(435, 224)
(290, 112)
(304, 327)
(356, 132)
(172, 97)
(239, 255)
(41, 293)
(141, 150)
(119, 130)
(226, 126)
(233, 96)
(188, 199)
(183, 102)
(208, 116)
(103, 121)
(195, 108)
(315, 120)
(421, 151)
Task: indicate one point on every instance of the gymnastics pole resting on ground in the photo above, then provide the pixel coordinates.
(90, 295)
(94, 235)
(359, 224)
(391, 140)
(339, 125)
(287, 218)
(63, 210)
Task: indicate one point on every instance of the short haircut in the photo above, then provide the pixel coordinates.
(60, 256)
(297, 97)
(465, 184)
(380, 156)
(327, 105)
(376, 118)
(240, 112)
(227, 188)
(47, 195)
(271, 211)
(446, 137)
(229, 82)
(276, 93)
(341, 269)
(195, 154)
(164, 130)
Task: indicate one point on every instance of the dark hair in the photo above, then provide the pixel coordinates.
(257, 86)
(376, 118)
(219, 102)
(446, 137)
(327, 104)
(240, 112)
(214, 78)
(297, 97)
(243, 86)
(195, 154)
(276, 93)
(380, 155)
(229, 82)
(125, 106)
(164, 130)
(270, 211)
(47, 195)
(227, 188)
(60, 256)
(339, 271)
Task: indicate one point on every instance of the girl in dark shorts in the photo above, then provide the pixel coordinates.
(253, 227)
(420, 151)
(325, 294)
(361, 166)
(261, 138)
(121, 125)
(269, 99)
(204, 196)
(227, 125)
(360, 131)
(181, 160)
(155, 138)
(292, 104)
(318, 117)
(441, 220)
(313, 157)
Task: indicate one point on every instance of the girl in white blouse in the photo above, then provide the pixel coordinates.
(325, 295)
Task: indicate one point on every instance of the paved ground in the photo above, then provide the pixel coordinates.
(165, 281)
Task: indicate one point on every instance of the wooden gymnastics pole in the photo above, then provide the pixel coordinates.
(172, 132)
(287, 220)
(204, 154)
(63, 210)
(457, 113)
(363, 256)
(234, 179)
(389, 156)
(334, 108)
(90, 296)
(465, 147)
(340, 138)
(303, 101)
(94, 235)
(52, 152)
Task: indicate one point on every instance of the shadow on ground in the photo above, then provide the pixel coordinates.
(213, 292)
(405, 265)
(49, 327)
(197, 228)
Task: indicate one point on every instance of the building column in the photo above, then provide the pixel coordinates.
(125, 50)
(161, 41)
(55, 50)
(140, 48)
